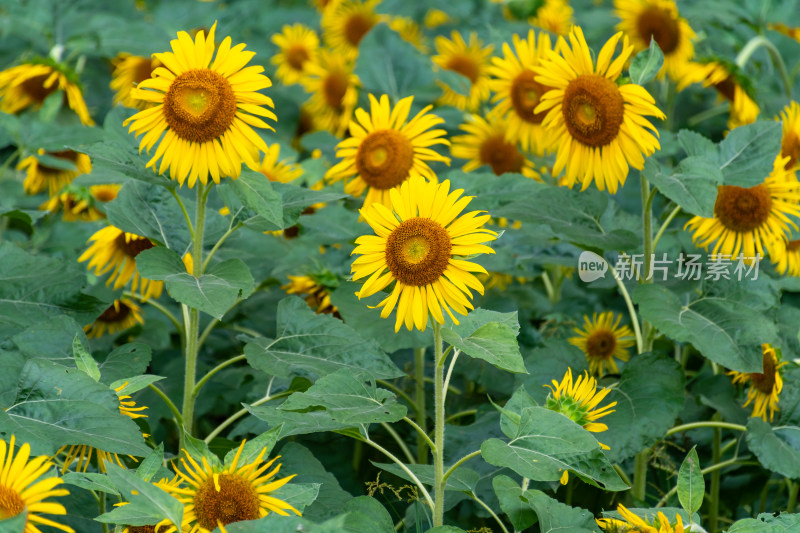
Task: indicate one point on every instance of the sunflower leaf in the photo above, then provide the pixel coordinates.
(514, 503)
(90, 481)
(84, 360)
(767, 523)
(493, 341)
(646, 64)
(151, 464)
(257, 194)
(147, 505)
(692, 185)
(252, 448)
(778, 449)
(747, 154)
(126, 361)
(690, 483)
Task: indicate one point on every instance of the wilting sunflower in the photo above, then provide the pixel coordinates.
(643, 20)
(790, 140)
(632, 523)
(420, 239)
(40, 176)
(298, 45)
(204, 110)
(333, 87)
(80, 203)
(517, 93)
(729, 83)
(751, 220)
(130, 71)
(29, 85)
(765, 387)
(236, 493)
(485, 143)
(346, 22)
(602, 339)
(115, 250)
(599, 127)
(316, 290)
(22, 488)
(554, 16)
(120, 315)
(471, 60)
(384, 150)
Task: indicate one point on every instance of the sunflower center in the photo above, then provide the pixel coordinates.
(500, 155)
(114, 314)
(793, 246)
(601, 344)
(726, 88)
(765, 381)
(593, 109)
(143, 71)
(104, 195)
(141, 529)
(466, 66)
(11, 504)
(296, 55)
(69, 155)
(199, 105)
(743, 209)
(418, 251)
(35, 89)
(334, 89)
(235, 500)
(790, 146)
(384, 159)
(525, 95)
(659, 24)
(134, 246)
(356, 27)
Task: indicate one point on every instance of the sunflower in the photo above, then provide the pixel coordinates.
(120, 315)
(471, 60)
(215, 496)
(632, 523)
(39, 176)
(115, 250)
(435, 18)
(789, 261)
(418, 244)
(29, 85)
(79, 203)
(729, 83)
(333, 87)
(203, 111)
(281, 171)
(602, 339)
(643, 20)
(789, 31)
(751, 220)
(409, 31)
(765, 387)
(485, 143)
(599, 127)
(517, 93)
(130, 71)
(554, 16)
(790, 140)
(298, 45)
(316, 289)
(346, 22)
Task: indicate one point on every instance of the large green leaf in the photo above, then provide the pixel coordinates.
(147, 504)
(365, 513)
(514, 502)
(646, 64)
(255, 192)
(555, 516)
(490, 336)
(767, 523)
(692, 185)
(126, 361)
(90, 481)
(51, 339)
(296, 423)
(778, 449)
(747, 153)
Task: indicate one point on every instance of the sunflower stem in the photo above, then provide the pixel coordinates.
(404, 468)
(400, 444)
(664, 226)
(629, 303)
(419, 390)
(647, 245)
(101, 504)
(438, 453)
(792, 503)
(639, 490)
(706, 424)
(489, 510)
(754, 44)
(716, 457)
(458, 463)
(210, 373)
(168, 402)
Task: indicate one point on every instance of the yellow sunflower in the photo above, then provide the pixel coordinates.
(237, 493)
(471, 60)
(420, 242)
(298, 45)
(789, 261)
(203, 110)
(130, 71)
(766, 386)
(29, 85)
(751, 220)
(602, 339)
(346, 22)
(22, 488)
(599, 127)
(317, 294)
(728, 83)
(485, 143)
(409, 31)
(632, 523)
(789, 31)
(435, 18)
(384, 150)
(554, 16)
(120, 315)
(80, 204)
(333, 87)
(517, 93)
(275, 170)
(790, 140)
(643, 20)
(39, 176)
(115, 250)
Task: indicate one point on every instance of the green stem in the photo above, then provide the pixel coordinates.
(421, 432)
(461, 414)
(459, 463)
(664, 226)
(716, 457)
(438, 453)
(175, 412)
(404, 468)
(702, 116)
(241, 412)
(631, 309)
(754, 44)
(489, 510)
(214, 323)
(402, 445)
(708, 424)
(548, 287)
(647, 244)
(419, 393)
(186, 216)
(210, 373)
(792, 503)
(400, 392)
(101, 503)
(164, 311)
(219, 243)
(639, 489)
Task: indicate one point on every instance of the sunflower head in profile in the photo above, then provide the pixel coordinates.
(766, 386)
(130, 71)
(731, 85)
(599, 127)
(632, 523)
(554, 16)
(602, 339)
(121, 315)
(24, 489)
(205, 108)
(316, 289)
(334, 92)
(80, 203)
(517, 93)
(52, 171)
(297, 45)
(216, 496)
(789, 260)
(30, 84)
(346, 22)
(790, 139)
(420, 245)
(751, 220)
(385, 149)
(275, 169)
(471, 60)
(409, 31)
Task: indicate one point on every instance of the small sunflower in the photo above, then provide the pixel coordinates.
(471, 60)
(599, 127)
(29, 85)
(751, 220)
(80, 204)
(789, 260)
(729, 84)
(602, 339)
(384, 150)
(790, 140)
(120, 315)
(346, 22)
(643, 20)
(22, 488)
(517, 93)
(39, 176)
(435, 18)
(215, 496)
(485, 143)
(203, 110)
(130, 71)
(632, 523)
(554, 16)
(115, 250)
(765, 387)
(333, 87)
(298, 45)
(276, 170)
(409, 31)
(420, 243)
(316, 290)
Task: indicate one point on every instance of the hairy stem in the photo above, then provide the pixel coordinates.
(438, 455)
(419, 396)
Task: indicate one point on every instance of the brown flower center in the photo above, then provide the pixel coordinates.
(104, 194)
(418, 251)
(660, 25)
(593, 109)
(34, 88)
(115, 313)
(144, 70)
(765, 381)
(466, 66)
(742, 209)
(141, 529)
(357, 26)
(296, 55)
(793, 246)
(134, 246)
(500, 155)
(790, 146)
(334, 88)
(11, 504)
(726, 88)
(525, 95)
(601, 344)
(69, 155)
(199, 105)
(235, 500)
(384, 159)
